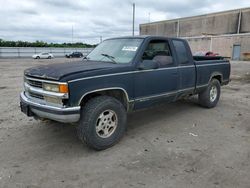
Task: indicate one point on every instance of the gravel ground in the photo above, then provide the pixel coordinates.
(172, 145)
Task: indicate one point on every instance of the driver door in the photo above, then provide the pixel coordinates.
(155, 85)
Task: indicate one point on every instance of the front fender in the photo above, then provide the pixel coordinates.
(80, 88)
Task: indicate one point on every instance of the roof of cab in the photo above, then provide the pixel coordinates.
(141, 37)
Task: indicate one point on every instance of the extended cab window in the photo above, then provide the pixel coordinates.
(181, 51)
(159, 51)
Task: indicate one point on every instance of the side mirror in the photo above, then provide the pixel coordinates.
(148, 64)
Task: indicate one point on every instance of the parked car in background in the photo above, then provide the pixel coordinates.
(74, 54)
(43, 55)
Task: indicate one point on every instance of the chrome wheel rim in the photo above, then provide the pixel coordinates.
(106, 123)
(213, 93)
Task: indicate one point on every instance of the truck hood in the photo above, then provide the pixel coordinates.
(57, 71)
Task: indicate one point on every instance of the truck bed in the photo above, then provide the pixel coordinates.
(206, 68)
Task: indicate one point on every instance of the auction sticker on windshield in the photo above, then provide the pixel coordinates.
(129, 48)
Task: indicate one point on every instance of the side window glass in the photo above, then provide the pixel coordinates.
(181, 51)
(159, 51)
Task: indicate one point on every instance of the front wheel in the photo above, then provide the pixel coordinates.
(210, 97)
(103, 122)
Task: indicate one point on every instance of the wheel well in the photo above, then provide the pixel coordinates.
(218, 77)
(116, 93)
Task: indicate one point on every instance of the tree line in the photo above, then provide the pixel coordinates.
(5, 43)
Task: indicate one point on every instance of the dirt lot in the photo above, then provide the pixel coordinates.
(173, 145)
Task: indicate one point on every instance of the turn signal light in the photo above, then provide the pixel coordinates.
(63, 88)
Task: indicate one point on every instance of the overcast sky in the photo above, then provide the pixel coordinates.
(52, 20)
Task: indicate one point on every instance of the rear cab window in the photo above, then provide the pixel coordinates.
(182, 52)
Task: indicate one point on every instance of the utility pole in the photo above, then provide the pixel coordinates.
(133, 31)
(72, 33)
(149, 17)
(100, 39)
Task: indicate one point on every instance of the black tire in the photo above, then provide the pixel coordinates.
(90, 117)
(37, 57)
(205, 97)
(49, 57)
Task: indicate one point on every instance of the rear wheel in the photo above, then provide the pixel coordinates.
(103, 122)
(49, 57)
(37, 57)
(210, 97)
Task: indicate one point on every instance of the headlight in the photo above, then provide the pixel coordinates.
(51, 87)
(59, 88)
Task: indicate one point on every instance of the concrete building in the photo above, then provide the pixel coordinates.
(227, 33)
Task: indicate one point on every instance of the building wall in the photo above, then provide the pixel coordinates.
(216, 24)
(221, 44)
(222, 27)
(245, 26)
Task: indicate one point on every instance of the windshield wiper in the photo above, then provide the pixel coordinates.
(110, 57)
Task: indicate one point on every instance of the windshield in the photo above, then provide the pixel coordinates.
(115, 50)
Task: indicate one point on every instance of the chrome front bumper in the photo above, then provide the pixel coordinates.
(61, 114)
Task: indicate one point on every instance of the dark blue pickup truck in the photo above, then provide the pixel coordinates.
(120, 75)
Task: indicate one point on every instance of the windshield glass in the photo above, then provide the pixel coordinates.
(115, 50)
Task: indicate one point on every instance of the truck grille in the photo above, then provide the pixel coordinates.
(34, 89)
(35, 83)
(35, 95)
